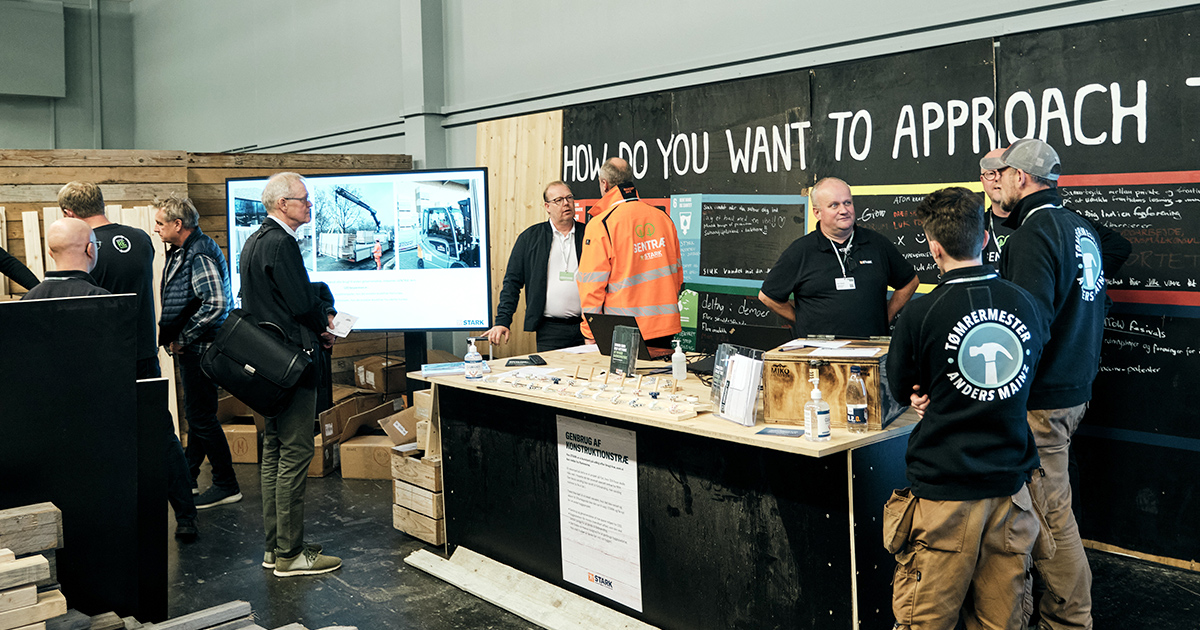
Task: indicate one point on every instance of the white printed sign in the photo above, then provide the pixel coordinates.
(598, 510)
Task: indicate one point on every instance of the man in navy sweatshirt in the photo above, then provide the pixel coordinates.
(1055, 254)
(965, 530)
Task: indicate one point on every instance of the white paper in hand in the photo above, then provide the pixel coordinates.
(343, 323)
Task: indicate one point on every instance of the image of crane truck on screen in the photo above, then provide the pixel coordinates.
(351, 233)
(448, 226)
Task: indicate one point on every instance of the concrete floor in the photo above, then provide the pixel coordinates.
(375, 590)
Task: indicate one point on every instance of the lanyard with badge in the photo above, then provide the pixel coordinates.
(845, 283)
(567, 249)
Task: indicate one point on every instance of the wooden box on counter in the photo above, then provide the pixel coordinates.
(786, 388)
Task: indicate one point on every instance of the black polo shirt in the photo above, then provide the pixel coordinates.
(809, 270)
(60, 284)
(125, 264)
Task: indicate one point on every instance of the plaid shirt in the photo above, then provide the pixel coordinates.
(206, 284)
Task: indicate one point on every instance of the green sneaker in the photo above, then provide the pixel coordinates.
(269, 556)
(307, 562)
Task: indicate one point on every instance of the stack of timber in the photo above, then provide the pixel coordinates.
(21, 605)
(235, 615)
(419, 509)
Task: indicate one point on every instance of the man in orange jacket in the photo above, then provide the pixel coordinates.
(630, 263)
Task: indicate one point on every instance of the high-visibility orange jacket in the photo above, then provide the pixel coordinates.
(630, 264)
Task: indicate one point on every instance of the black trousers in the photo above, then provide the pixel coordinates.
(556, 333)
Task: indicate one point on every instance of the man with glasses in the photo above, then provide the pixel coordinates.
(276, 289)
(73, 247)
(544, 261)
(993, 218)
(1055, 254)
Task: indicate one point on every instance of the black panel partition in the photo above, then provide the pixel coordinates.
(732, 536)
(76, 434)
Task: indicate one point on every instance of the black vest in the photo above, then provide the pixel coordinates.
(179, 302)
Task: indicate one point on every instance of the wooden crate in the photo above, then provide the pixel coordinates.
(419, 500)
(431, 530)
(786, 388)
(417, 471)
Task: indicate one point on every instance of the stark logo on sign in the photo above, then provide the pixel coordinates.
(596, 579)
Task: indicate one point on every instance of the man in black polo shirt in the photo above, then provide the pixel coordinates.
(73, 248)
(125, 264)
(839, 273)
(972, 345)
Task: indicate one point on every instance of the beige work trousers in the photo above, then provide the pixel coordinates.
(1067, 602)
(968, 556)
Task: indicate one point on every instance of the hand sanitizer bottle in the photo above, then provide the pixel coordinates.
(678, 363)
(473, 362)
(816, 416)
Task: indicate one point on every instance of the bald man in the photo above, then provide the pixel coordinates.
(839, 273)
(74, 249)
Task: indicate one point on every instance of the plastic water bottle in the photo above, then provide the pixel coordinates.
(473, 362)
(816, 418)
(678, 363)
(856, 402)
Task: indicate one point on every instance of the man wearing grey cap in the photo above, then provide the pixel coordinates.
(1055, 255)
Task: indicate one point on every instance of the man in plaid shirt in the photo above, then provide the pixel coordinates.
(196, 299)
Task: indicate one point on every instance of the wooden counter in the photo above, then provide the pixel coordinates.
(733, 529)
(704, 423)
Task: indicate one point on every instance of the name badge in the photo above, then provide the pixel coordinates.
(844, 284)
(566, 276)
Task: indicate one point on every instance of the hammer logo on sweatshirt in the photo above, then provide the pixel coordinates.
(1091, 269)
(989, 354)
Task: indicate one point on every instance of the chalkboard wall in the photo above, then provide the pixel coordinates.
(1119, 100)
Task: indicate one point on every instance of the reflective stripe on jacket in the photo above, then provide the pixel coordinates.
(630, 264)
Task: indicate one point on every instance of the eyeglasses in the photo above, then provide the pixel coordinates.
(993, 175)
(303, 200)
(558, 201)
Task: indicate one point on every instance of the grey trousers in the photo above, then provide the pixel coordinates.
(287, 451)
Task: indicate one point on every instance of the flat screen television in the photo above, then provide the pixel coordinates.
(405, 250)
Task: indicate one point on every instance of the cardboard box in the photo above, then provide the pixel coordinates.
(367, 457)
(326, 458)
(337, 415)
(243, 442)
(419, 500)
(342, 392)
(417, 471)
(431, 530)
(369, 418)
(401, 427)
(381, 374)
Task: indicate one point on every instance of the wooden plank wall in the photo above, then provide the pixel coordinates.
(522, 154)
(131, 180)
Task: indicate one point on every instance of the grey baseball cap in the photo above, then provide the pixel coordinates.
(1030, 155)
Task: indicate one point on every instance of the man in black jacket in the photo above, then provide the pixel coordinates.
(972, 345)
(16, 270)
(1055, 254)
(275, 288)
(195, 302)
(544, 261)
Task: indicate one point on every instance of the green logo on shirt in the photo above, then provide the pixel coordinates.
(122, 244)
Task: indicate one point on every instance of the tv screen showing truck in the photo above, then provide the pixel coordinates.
(404, 250)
